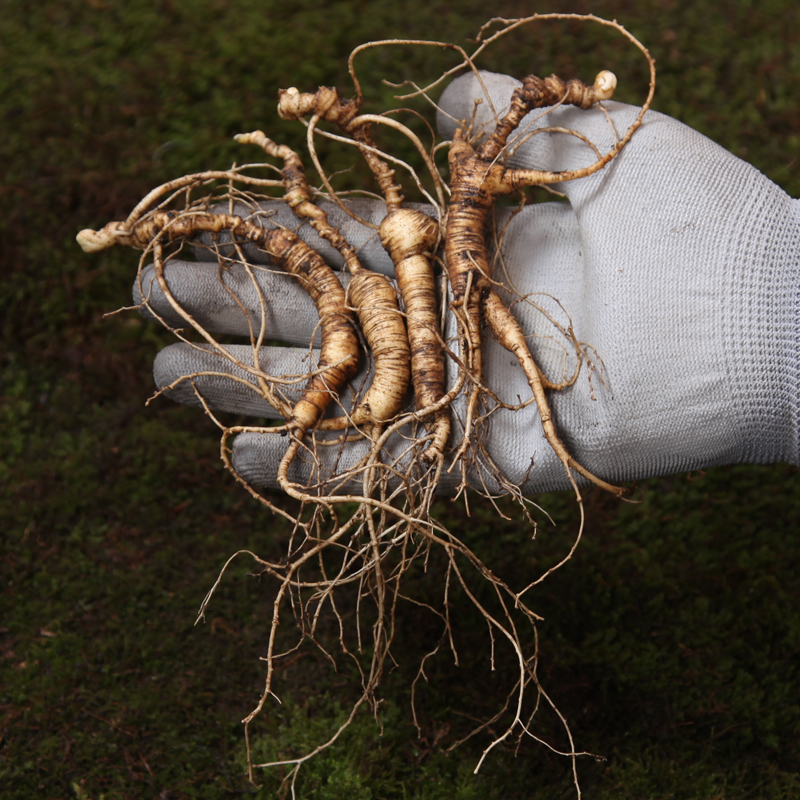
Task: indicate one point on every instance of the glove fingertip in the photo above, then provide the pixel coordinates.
(458, 101)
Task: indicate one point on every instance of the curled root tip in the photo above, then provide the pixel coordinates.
(630, 494)
(94, 241)
(431, 455)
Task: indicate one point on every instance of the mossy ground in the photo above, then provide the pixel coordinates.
(671, 641)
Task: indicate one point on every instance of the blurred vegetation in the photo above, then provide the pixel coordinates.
(671, 641)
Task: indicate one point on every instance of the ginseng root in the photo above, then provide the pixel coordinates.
(477, 178)
(370, 294)
(410, 237)
(339, 349)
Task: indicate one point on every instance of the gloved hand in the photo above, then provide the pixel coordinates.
(678, 263)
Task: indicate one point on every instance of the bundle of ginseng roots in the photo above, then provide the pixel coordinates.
(394, 404)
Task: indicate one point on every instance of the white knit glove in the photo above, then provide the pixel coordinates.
(678, 263)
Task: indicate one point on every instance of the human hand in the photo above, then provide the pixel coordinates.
(678, 264)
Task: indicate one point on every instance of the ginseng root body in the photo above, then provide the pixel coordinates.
(477, 178)
(339, 349)
(411, 238)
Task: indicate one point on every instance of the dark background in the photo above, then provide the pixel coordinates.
(671, 641)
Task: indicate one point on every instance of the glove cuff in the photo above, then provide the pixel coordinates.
(762, 318)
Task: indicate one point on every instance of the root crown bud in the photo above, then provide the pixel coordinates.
(95, 241)
(604, 84)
